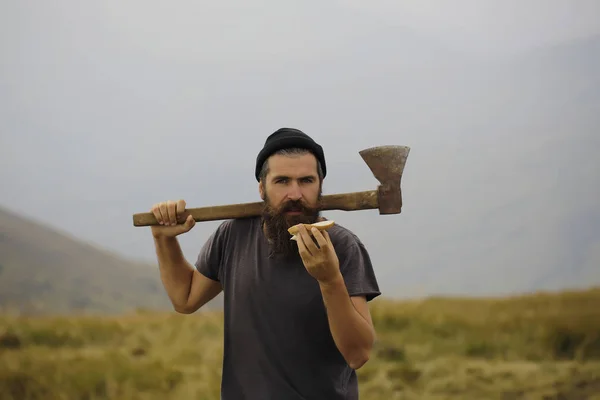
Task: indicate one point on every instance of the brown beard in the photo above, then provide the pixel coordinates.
(276, 224)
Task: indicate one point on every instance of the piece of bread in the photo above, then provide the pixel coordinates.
(321, 225)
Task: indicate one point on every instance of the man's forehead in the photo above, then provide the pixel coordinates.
(293, 164)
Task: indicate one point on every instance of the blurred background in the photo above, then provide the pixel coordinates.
(109, 107)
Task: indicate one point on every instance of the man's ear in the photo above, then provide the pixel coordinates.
(261, 190)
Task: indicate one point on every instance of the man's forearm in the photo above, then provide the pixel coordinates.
(351, 332)
(175, 272)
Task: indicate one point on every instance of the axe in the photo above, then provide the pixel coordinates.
(386, 163)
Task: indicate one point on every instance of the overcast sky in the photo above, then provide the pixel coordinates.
(108, 107)
(489, 27)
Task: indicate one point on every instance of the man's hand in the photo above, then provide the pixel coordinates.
(172, 218)
(320, 261)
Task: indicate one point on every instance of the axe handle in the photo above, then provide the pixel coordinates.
(345, 202)
(355, 201)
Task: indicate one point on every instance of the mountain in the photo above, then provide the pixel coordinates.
(44, 270)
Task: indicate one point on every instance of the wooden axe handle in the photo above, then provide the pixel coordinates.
(346, 202)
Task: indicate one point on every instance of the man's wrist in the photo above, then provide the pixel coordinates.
(164, 240)
(335, 281)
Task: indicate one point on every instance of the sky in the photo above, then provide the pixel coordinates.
(489, 27)
(109, 107)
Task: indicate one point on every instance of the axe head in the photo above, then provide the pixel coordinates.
(387, 164)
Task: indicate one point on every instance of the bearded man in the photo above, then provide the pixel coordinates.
(297, 322)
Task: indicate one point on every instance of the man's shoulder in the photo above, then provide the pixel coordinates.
(238, 223)
(236, 226)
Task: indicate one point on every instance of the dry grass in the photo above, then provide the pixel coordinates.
(544, 346)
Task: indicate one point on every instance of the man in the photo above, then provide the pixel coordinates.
(297, 324)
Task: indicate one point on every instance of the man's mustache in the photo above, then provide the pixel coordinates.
(296, 205)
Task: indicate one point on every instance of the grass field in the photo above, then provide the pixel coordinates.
(543, 346)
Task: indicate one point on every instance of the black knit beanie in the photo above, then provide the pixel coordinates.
(285, 138)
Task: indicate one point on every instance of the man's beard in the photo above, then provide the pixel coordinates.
(276, 223)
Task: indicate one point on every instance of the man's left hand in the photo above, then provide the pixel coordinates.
(320, 261)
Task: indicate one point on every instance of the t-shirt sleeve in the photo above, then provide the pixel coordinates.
(210, 258)
(357, 270)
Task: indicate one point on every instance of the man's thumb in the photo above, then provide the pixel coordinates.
(189, 222)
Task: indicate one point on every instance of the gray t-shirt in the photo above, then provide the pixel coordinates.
(277, 342)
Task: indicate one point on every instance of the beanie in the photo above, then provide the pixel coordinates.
(285, 138)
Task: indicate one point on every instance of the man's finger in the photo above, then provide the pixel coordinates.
(163, 212)
(180, 208)
(172, 211)
(302, 247)
(308, 241)
(320, 238)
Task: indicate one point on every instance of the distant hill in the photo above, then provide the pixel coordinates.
(43, 270)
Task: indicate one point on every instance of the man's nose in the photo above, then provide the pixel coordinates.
(294, 192)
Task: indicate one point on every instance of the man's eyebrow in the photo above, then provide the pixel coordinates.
(287, 177)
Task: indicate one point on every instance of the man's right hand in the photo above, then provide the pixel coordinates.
(172, 218)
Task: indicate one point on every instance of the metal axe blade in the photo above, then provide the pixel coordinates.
(387, 164)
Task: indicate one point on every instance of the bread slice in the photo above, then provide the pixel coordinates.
(321, 225)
